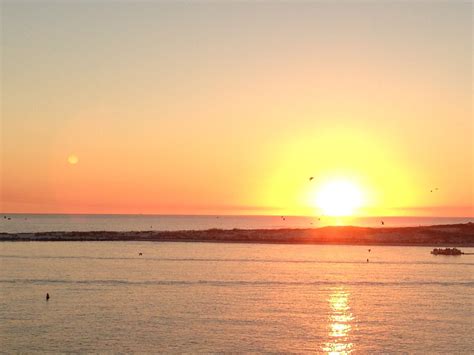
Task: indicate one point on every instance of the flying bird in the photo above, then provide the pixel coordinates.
(311, 178)
(382, 222)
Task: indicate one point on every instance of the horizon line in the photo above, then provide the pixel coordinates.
(226, 215)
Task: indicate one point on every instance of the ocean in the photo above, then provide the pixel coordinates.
(63, 222)
(207, 297)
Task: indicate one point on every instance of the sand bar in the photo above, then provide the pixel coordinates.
(439, 235)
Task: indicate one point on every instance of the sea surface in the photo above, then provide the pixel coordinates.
(206, 297)
(17, 223)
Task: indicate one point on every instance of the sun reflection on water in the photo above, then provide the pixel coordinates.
(339, 324)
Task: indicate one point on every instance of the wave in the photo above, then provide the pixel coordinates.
(231, 260)
(221, 283)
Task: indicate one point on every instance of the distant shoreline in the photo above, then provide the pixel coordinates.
(461, 235)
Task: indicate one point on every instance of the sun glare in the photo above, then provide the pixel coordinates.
(339, 198)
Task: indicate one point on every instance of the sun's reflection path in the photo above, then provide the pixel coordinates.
(339, 324)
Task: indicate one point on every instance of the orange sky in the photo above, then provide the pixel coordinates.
(197, 108)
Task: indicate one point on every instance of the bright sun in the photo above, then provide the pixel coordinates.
(339, 198)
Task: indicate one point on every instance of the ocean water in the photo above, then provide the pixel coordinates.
(55, 222)
(205, 297)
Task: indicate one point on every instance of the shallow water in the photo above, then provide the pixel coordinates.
(201, 297)
(25, 223)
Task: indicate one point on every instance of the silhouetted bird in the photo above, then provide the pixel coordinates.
(311, 178)
(140, 254)
(47, 297)
(367, 260)
(382, 222)
(369, 250)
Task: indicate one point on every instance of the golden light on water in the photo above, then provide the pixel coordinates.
(339, 198)
(340, 324)
(72, 159)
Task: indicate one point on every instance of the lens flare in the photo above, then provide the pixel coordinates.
(72, 159)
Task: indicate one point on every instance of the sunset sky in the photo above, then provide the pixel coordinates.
(206, 107)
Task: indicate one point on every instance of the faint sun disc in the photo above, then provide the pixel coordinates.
(72, 159)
